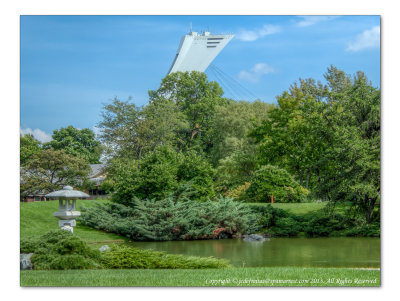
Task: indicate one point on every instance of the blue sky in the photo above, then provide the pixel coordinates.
(72, 65)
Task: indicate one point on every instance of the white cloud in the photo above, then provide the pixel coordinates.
(255, 73)
(369, 38)
(252, 35)
(37, 134)
(311, 20)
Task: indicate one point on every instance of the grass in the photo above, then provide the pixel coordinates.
(296, 208)
(36, 218)
(273, 276)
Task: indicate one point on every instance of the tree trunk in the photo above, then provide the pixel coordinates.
(300, 175)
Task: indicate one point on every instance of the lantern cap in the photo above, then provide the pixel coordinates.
(67, 193)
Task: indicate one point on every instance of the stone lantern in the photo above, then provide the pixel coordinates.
(67, 206)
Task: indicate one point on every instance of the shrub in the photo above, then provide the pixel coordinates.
(123, 257)
(271, 180)
(60, 250)
(277, 222)
(319, 223)
(370, 230)
(238, 192)
(170, 219)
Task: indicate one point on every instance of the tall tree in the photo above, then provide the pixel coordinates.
(28, 147)
(231, 125)
(51, 169)
(329, 136)
(351, 167)
(77, 143)
(197, 98)
(119, 129)
(129, 131)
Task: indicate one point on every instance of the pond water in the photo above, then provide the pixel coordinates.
(307, 252)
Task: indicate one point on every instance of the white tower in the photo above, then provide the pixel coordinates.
(196, 52)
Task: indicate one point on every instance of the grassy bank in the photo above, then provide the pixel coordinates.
(37, 218)
(298, 208)
(274, 276)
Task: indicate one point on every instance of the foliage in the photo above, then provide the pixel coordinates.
(238, 192)
(81, 143)
(169, 219)
(231, 124)
(196, 171)
(29, 146)
(124, 257)
(51, 169)
(236, 169)
(197, 99)
(329, 137)
(178, 115)
(272, 181)
(60, 250)
(319, 223)
(118, 134)
(159, 174)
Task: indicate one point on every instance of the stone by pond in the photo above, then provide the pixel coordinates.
(25, 261)
(255, 237)
(306, 252)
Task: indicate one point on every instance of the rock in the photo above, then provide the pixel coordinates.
(104, 248)
(255, 237)
(25, 262)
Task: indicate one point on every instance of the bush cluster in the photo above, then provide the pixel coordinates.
(281, 223)
(124, 257)
(169, 219)
(60, 250)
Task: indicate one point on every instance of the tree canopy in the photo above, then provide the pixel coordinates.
(77, 143)
(50, 170)
(28, 147)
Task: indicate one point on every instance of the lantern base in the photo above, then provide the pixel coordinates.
(67, 222)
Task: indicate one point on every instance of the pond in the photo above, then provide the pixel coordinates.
(306, 252)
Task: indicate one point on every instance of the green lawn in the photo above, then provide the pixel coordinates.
(274, 276)
(36, 218)
(296, 208)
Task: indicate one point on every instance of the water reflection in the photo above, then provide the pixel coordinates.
(316, 252)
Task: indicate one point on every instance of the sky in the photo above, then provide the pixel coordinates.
(70, 66)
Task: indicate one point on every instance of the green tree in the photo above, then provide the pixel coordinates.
(288, 138)
(197, 98)
(154, 178)
(131, 132)
(28, 147)
(350, 169)
(271, 180)
(329, 136)
(231, 125)
(162, 124)
(161, 173)
(50, 170)
(195, 171)
(119, 136)
(77, 143)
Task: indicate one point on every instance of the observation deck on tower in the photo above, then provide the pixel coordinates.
(197, 51)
